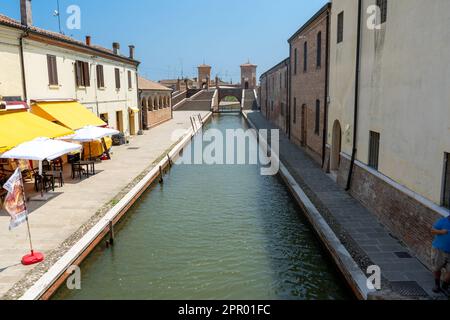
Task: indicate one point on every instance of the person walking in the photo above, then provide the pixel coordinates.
(440, 254)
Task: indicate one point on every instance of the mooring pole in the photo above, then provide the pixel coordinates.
(161, 179)
(110, 242)
(170, 160)
(192, 123)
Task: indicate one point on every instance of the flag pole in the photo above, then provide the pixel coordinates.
(29, 237)
(33, 257)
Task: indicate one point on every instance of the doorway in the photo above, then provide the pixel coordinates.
(119, 121)
(336, 147)
(246, 85)
(132, 120)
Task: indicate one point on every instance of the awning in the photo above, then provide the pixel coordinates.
(133, 110)
(70, 114)
(17, 127)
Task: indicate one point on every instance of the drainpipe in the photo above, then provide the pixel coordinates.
(289, 90)
(22, 65)
(141, 112)
(327, 77)
(355, 114)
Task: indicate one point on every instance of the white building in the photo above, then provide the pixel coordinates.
(44, 65)
(402, 141)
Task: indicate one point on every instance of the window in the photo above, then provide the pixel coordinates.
(82, 74)
(446, 194)
(52, 70)
(305, 56)
(382, 5)
(285, 79)
(130, 82)
(104, 117)
(317, 123)
(295, 111)
(319, 50)
(281, 80)
(340, 27)
(100, 77)
(374, 149)
(295, 61)
(117, 74)
(272, 106)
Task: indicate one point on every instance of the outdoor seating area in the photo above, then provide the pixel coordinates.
(57, 143)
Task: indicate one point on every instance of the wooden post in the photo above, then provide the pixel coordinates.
(112, 236)
(161, 179)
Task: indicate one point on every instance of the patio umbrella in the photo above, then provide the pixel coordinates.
(41, 149)
(91, 133)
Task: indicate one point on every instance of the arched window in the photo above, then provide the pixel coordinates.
(319, 50)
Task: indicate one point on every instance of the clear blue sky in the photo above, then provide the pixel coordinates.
(172, 35)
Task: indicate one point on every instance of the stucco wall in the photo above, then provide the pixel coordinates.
(100, 101)
(405, 93)
(10, 71)
(342, 72)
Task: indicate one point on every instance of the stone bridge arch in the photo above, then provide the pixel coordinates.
(230, 92)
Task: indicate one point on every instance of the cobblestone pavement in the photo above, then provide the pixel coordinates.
(369, 242)
(55, 221)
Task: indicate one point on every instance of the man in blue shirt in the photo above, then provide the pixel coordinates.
(440, 255)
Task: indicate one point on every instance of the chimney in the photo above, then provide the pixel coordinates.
(25, 13)
(116, 48)
(88, 41)
(132, 51)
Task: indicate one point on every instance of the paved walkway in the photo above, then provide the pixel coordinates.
(359, 230)
(74, 204)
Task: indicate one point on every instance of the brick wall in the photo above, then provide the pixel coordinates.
(274, 94)
(158, 116)
(406, 218)
(309, 86)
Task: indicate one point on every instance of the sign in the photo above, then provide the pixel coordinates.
(15, 202)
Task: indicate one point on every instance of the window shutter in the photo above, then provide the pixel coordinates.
(130, 84)
(86, 77)
(117, 71)
(78, 73)
(52, 70)
(55, 71)
(100, 77)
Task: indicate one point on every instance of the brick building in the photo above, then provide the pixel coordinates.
(389, 122)
(274, 94)
(308, 75)
(248, 75)
(156, 102)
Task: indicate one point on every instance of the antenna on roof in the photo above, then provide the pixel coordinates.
(57, 13)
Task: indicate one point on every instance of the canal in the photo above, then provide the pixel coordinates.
(212, 232)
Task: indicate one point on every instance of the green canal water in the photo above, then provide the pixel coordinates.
(212, 232)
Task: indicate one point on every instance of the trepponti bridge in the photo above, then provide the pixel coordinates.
(219, 100)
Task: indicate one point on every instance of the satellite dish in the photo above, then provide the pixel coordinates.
(55, 13)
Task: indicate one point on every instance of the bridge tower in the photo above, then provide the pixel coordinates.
(204, 76)
(248, 75)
